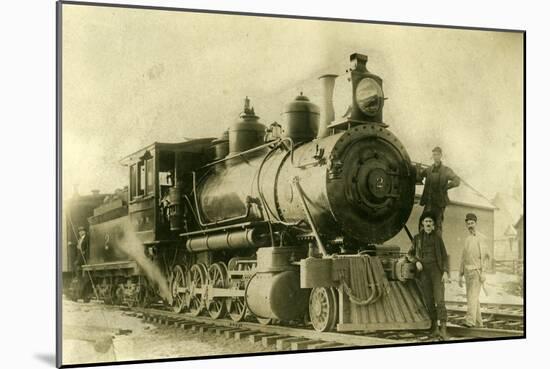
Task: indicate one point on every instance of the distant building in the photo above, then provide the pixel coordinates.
(463, 200)
(508, 212)
(520, 229)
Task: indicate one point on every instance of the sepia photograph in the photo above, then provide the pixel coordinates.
(235, 184)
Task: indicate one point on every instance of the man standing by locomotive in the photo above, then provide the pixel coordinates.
(432, 264)
(81, 250)
(439, 179)
(472, 268)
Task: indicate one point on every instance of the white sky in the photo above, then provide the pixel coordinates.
(132, 77)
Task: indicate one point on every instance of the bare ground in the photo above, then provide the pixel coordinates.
(93, 332)
(501, 288)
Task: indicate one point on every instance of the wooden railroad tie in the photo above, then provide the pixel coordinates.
(159, 319)
(187, 325)
(212, 329)
(240, 335)
(220, 330)
(166, 321)
(327, 345)
(284, 343)
(176, 322)
(301, 345)
(271, 340)
(200, 328)
(231, 333)
(258, 336)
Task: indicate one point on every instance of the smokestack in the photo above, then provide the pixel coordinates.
(327, 106)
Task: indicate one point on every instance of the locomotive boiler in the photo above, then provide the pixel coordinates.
(285, 223)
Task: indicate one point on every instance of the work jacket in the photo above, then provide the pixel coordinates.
(436, 186)
(475, 253)
(441, 257)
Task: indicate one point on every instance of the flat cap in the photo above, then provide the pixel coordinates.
(437, 149)
(471, 216)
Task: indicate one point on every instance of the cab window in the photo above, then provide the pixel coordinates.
(149, 178)
(133, 181)
(141, 182)
(142, 178)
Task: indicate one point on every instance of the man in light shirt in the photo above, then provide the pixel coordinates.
(472, 262)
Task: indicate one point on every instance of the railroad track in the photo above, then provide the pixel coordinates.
(499, 316)
(293, 338)
(280, 337)
(512, 308)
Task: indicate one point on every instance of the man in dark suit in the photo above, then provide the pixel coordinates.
(438, 180)
(432, 265)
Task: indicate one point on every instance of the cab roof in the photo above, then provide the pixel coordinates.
(195, 146)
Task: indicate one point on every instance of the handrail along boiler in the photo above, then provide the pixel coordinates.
(282, 224)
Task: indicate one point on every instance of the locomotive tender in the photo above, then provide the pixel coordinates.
(283, 224)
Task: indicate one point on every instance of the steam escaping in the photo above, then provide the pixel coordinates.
(129, 243)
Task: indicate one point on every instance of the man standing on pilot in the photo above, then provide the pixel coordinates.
(439, 179)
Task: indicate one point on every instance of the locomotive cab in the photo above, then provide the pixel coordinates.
(158, 174)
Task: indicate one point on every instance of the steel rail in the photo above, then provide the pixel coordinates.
(313, 339)
(488, 304)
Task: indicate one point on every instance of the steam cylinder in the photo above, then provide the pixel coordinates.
(268, 295)
(274, 291)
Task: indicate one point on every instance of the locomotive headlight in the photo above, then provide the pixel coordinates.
(369, 96)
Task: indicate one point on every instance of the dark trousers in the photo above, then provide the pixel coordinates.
(77, 266)
(438, 213)
(433, 291)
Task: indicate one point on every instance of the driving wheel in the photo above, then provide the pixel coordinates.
(179, 287)
(198, 277)
(217, 277)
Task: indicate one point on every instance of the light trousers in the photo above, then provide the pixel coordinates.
(473, 288)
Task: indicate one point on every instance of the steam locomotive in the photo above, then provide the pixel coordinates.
(281, 224)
